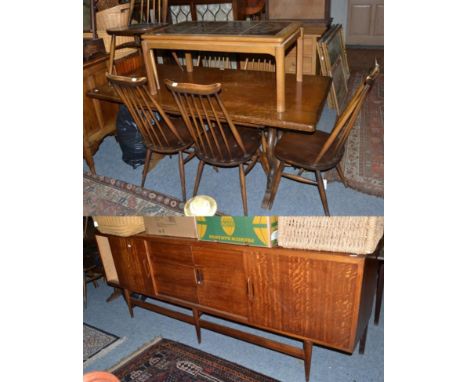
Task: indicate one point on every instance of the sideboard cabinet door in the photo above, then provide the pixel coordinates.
(131, 264)
(221, 280)
(309, 295)
(173, 270)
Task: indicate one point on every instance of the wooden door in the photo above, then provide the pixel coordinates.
(365, 22)
(131, 264)
(173, 270)
(221, 280)
(311, 296)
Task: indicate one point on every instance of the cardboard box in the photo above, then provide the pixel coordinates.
(260, 231)
(180, 226)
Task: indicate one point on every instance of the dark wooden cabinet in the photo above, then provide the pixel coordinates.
(99, 117)
(132, 265)
(312, 296)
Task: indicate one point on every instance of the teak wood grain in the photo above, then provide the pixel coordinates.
(316, 297)
(248, 96)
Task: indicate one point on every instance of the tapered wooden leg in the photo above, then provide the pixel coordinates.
(323, 195)
(146, 166)
(264, 154)
(340, 171)
(116, 293)
(88, 156)
(276, 182)
(299, 56)
(243, 188)
(182, 176)
(85, 302)
(280, 80)
(129, 303)
(196, 318)
(307, 358)
(379, 292)
(176, 59)
(362, 342)
(111, 54)
(201, 164)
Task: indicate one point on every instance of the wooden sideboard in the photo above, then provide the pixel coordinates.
(322, 298)
(98, 117)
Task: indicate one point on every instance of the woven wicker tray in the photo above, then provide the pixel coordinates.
(120, 225)
(350, 234)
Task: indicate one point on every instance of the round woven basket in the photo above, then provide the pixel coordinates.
(112, 17)
(349, 234)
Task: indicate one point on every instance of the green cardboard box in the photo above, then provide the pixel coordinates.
(260, 231)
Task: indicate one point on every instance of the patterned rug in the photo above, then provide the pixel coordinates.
(166, 360)
(106, 196)
(97, 342)
(363, 161)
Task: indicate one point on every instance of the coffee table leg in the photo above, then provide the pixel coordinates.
(189, 61)
(280, 80)
(300, 56)
(151, 70)
(272, 161)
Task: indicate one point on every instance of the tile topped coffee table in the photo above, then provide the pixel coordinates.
(262, 37)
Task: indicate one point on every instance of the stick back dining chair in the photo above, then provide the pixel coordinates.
(217, 140)
(320, 151)
(161, 134)
(144, 16)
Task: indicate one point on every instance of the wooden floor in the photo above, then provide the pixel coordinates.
(362, 58)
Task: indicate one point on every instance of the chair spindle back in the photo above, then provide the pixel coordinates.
(148, 11)
(347, 118)
(207, 119)
(156, 128)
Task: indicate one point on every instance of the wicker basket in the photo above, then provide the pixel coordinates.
(120, 225)
(350, 234)
(119, 53)
(112, 17)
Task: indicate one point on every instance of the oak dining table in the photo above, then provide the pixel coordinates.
(259, 37)
(250, 100)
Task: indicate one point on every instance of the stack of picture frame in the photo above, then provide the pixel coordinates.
(334, 63)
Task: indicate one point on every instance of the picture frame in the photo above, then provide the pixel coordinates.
(334, 64)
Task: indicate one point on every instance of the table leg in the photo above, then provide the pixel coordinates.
(272, 161)
(150, 66)
(189, 61)
(300, 56)
(280, 80)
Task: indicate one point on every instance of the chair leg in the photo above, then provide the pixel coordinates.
(201, 164)
(340, 171)
(276, 182)
(243, 189)
(323, 195)
(379, 292)
(146, 166)
(182, 176)
(85, 301)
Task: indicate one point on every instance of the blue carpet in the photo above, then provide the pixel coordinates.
(293, 198)
(327, 365)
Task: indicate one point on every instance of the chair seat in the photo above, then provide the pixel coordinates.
(135, 29)
(173, 143)
(301, 150)
(250, 137)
